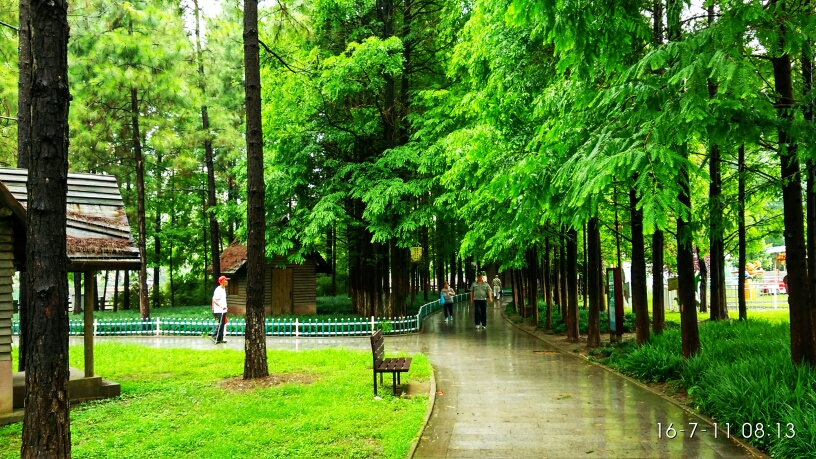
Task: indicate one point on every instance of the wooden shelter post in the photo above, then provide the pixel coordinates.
(90, 287)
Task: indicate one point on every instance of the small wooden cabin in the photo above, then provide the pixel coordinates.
(98, 238)
(288, 289)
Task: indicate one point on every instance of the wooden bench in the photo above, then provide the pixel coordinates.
(395, 366)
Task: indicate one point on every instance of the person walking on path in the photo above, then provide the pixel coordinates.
(219, 308)
(497, 287)
(479, 295)
(448, 293)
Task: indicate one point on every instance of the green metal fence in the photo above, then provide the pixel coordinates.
(164, 326)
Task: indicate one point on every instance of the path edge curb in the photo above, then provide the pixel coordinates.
(749, 448)
(432, 400)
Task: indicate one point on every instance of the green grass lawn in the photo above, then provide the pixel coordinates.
(770, 315)
(174, 405)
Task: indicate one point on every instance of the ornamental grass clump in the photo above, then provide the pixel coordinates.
(743, 377)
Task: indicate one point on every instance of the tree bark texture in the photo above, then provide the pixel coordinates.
(562, 256)
(718, 306)
(144, 307)
(126, 288)
(532, 281)
(703, 280)
(583, 283)
(572, 285)
(742, 243)
(255, 364)
(23, 141)
(157, 249)
(116, 291)
(640, 295)
(593, 284)
(658, 311)
(803, 349)
(77, 293)
(46, 424)
(548, 284)
(556, 278)
(810, 166)
(689, 331)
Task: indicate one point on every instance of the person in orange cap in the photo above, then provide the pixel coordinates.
(219, 308)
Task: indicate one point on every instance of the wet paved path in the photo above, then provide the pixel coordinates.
(506, 394)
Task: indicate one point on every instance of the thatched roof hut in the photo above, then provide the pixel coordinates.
(98, 232)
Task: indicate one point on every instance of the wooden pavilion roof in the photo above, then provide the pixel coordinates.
(98, 231)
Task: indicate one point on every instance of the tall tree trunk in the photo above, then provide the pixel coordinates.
(95, 293)
(803, 349)
(572, 284)
(116, 292)
(46, 424)
(105, 290)
(743, 310)
(204, 240)
(126, 287)
(399, 273)
(425, 263)
(157, 237)
(584, 266)
(144, 307)
(617, 226)
(548, 284)
(334, 260)
(330, 253)
(77, 292)
(23, 144)
(532, 267)
(685, 268)
(640, 295)
(556, 277)
(810, 165)
(717, 246)
(232, 194)
(658, 311)
(215, 234)
(703, 280)
(255, 364)
(685, 260)
(719, 309)
(562, 256)
(593, 284)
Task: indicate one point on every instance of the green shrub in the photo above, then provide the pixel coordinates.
(334, 305)
(324, 284)
(558, 325)
(743, 374)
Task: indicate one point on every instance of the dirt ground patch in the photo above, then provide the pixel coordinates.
(239, 384)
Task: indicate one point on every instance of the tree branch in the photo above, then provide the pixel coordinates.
(10, 27)
(269, 50)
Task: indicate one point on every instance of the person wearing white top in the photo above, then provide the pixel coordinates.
(219, 308)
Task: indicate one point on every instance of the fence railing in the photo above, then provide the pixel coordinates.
(167, 326)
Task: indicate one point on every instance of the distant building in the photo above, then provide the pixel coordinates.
(288, 289)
